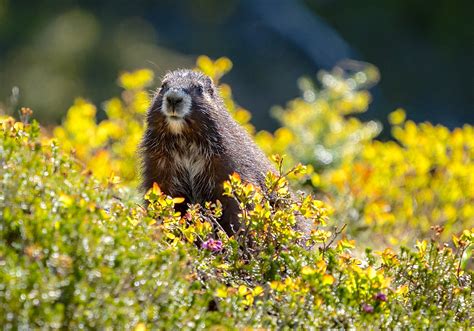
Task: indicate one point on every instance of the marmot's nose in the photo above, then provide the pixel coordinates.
(173, 99)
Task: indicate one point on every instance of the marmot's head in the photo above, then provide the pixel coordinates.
(183, 100)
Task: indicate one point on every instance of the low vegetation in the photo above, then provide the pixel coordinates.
(78, 249)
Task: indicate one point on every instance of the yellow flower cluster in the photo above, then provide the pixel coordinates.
(405, 187)
(216, 69)
(109, 147)
(316, 130)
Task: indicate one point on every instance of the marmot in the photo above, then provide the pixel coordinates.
(192, 144)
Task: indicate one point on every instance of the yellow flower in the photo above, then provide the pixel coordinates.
(136, 80)
(397, 117)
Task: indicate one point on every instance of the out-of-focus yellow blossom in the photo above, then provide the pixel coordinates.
(401, 189)
(316, 130)
(110, 146)
(136, 80)
(216, 69)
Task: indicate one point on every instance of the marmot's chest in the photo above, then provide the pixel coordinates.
(192, 175)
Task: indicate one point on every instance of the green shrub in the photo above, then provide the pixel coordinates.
(79, 252)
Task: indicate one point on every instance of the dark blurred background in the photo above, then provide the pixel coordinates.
(54, 51)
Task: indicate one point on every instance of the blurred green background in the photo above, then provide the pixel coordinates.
(53, 51)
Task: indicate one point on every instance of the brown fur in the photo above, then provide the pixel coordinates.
(210, 141)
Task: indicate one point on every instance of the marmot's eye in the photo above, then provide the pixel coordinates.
(199, 89)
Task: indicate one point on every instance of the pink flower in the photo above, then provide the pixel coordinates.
(367, 308)
(212, 245)
(381, 297)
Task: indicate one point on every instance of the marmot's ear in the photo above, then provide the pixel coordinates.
(210, 86)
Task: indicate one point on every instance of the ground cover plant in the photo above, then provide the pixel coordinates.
(78, 249)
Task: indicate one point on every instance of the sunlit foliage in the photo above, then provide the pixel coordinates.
(387, 192)
(402, 188)
(110, 146)
(316, 128)
(75, 253)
